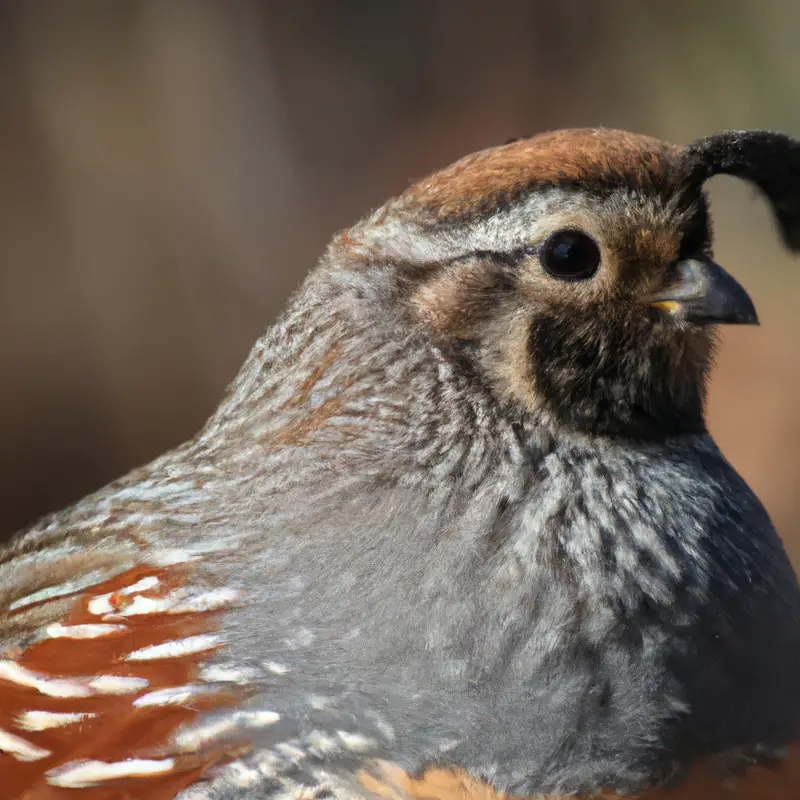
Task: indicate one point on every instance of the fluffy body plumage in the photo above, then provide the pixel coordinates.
(453, 511)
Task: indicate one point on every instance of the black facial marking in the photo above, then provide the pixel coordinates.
(613, 379)
(769, 160)
(696, 233)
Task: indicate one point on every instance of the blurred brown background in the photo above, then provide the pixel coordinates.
(171, 169)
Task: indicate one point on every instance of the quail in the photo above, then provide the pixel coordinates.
(457, 530)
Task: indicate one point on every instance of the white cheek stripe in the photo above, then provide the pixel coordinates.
(20, 748)
(85, 774)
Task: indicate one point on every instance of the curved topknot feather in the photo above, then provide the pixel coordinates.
(769, 160)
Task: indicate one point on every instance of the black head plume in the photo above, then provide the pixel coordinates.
(769, 160)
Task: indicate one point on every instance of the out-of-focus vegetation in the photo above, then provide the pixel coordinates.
(170, 170)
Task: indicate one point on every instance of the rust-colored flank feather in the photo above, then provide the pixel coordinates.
(93, 708)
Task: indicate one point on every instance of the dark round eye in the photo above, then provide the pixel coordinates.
(570, 255)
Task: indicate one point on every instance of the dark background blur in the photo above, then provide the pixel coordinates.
(170, 170)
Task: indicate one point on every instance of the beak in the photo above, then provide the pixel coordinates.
(703, 293)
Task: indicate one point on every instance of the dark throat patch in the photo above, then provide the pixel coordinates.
(616, 379)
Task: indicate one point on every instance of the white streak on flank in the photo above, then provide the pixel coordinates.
(52, 687)
(291, 751)
(322, 743)
(219, 673)
(47, 593)
(146, 605)
(166, 558)
(132, 519)
(256, 719)
(179, 603)
(208, 601)
(276, 668)
(174, 695)
(117, 684)
(135, 492)
(85, 774)
(59, 589)
(20, 748)
(101, 604)
(355, 741)
(94, 521)
(150, 582)
(150, 490)
(44, 720)
(241, 775)
(195, 738)
(59, 631)
(176, 648)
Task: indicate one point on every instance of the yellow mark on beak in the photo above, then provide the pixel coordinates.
(671, 306)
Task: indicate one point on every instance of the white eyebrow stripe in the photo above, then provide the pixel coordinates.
(504, 231)
(176, 648)
(52, 687)
(88, 773)
(44, 720)
(20, 748)
(87, 631)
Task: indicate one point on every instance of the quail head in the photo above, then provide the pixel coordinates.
(457, 528)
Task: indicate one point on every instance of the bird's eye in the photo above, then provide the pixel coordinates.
(570, 255)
